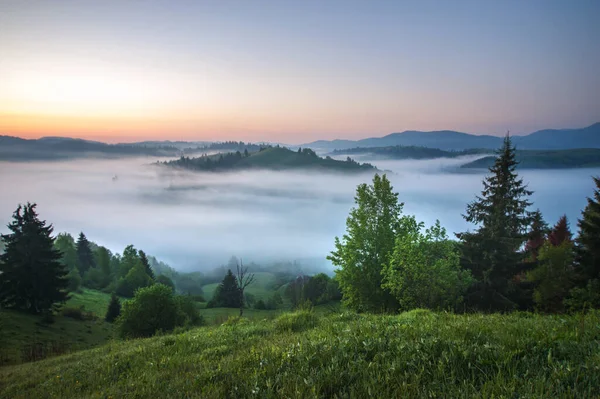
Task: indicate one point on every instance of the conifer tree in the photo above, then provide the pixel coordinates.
(537, 235)
(32, 277)
(114, 309)
(85, 257)
(146, 263)
(587, 259)
(560, 232)
(588, 241)
(492, 252)
(227, 294)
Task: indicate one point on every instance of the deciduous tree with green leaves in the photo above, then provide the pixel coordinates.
(553, 276)
(424, 270)
(361, 253)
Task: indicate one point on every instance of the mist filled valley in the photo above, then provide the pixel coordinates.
(197, 221)
(309, 199)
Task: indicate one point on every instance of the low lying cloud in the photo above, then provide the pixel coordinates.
(196, 221)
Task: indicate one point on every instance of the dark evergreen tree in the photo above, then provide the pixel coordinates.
(493, 251)
(146, 264)
(227, 294)
(114, 309)
(32, 276)
(537, 235)
(560, 232)
(588, 241)
(85, 256)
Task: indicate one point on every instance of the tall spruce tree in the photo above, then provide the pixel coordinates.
(85, 256)
(588, 241)
(146, 263)
(32, 276)
(493, 251)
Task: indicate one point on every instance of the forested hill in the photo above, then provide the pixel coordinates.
(410, 152)
(273, 158)
(57, 148)
(560, 159)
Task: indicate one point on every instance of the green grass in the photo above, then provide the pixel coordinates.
(23, 337)
(415, 354)
(91, 300)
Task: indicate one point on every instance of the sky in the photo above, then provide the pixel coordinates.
(295, 71)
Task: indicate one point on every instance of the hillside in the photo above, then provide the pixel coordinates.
(53, 148)
(548, 139)
(273, 158)
(560, 159)
(414, 354)
(409, 152)
(56, 148)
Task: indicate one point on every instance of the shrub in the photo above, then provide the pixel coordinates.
(297, 321)
(260, 305)
(188, 311)
(151, 309)
(73, 313)
(114, 309)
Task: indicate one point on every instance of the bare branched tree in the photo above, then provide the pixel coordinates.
(244, 280)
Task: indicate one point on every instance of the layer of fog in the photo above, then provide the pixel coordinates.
(197, 221)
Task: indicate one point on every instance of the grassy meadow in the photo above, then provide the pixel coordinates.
(311, 354)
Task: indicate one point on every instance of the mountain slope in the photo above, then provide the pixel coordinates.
(588, 137)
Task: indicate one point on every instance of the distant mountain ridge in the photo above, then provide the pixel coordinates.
(548, 139)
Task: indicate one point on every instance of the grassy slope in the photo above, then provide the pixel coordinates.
(559, 159)
(91, 300)
(21, 332)
(347, 355)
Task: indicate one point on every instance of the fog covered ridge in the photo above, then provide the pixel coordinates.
(271, 158)
(197, 220)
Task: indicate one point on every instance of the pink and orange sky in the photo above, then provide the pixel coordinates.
(292, 71)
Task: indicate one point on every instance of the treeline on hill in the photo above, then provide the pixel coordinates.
(411, 152)
(38, 272)
(267, 157)
(511, 260)
(233, 146)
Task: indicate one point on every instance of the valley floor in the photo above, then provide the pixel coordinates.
(303, 354)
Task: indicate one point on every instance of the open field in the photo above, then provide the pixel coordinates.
(418, 353)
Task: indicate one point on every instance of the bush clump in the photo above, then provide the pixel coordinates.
(155, 309)
(297, 321)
